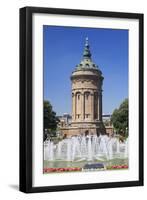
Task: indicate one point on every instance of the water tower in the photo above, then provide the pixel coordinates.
(87, 83)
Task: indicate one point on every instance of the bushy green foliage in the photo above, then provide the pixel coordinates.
(119, 117)
(50, 119)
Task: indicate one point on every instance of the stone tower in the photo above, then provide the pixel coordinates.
(87, 83)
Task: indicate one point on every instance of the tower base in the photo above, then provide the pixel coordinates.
(78, 128)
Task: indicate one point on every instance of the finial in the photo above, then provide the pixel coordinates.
(86, 43)
(86, 53)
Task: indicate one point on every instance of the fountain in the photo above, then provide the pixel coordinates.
(87, 148)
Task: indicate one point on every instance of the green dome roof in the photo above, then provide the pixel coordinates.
(86, 63)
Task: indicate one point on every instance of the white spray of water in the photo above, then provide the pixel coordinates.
(89, 148)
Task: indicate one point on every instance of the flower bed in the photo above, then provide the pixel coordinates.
(74, 169)
(117, 167)
(69, 169)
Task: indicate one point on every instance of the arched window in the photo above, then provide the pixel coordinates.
(78, 105)
(78, 94)
(87, 95)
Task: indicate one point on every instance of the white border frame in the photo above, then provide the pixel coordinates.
(132, 174)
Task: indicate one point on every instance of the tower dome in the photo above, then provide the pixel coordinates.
(86, 62)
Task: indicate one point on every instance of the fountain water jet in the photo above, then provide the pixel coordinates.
(90, 148)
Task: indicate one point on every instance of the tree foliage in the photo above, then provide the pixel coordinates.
(119, 117)
(50, 119)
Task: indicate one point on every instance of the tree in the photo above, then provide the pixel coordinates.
(119, 117)
(50, 119)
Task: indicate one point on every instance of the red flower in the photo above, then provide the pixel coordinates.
(47, 170)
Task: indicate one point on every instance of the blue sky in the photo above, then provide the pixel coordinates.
(62, 51)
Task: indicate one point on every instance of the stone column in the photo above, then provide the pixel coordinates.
(82, 106)
(73, 107)
(100, 106)
(92, 106)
